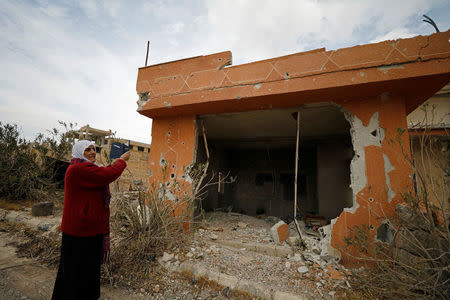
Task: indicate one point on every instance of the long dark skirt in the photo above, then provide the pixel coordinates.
(79, 268)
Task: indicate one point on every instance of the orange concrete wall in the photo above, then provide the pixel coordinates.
(173, 146)
(387, 177)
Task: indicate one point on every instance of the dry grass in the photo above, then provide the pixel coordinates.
(141, 230)
(34, 244)
(15, 205)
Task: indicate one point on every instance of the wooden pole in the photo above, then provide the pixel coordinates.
(296, 176)
(205, 170)
(146, 57)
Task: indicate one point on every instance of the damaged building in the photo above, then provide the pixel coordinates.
(342, 112)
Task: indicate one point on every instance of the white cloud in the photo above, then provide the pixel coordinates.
(397, 33)
(78, 61)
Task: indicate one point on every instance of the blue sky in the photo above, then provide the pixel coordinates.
(77, 61)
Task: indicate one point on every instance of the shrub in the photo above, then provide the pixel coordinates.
(18, 166)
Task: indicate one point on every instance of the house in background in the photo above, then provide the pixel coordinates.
(429, 130)
(137, 170)
(352, 103)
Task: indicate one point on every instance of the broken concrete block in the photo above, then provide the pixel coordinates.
(279, 232)
(242, 225)
(42, 209)
(44, 226)
(166, 257)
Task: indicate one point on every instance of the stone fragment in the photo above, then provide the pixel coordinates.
(279, 232)
(44, 226)
(287, 265)
(297, 257)
(166, 257)
(189, 255)
(42, 209)
(213, 236)
(242, 225)
(315, 249)
(156, 288)
(302, 269)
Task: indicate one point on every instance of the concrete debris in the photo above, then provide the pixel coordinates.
(302, 269)
(44, 226)
(167, 257)
(279, 232)
(213, 236)
(242, 225)
(189, 255)
(296, 257)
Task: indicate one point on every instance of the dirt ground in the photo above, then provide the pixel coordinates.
(222, 242)
(25, 278)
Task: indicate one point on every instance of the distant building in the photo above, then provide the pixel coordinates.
(137, 171)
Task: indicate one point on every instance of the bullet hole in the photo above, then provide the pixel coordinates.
(173, 166)
(172, 175)
(185, 193)
(374, 133)
(371, 227)
(220, 59)
(163, 161)
(287, 74)
(182, 143)
(169, 133)
(174, 77)
(371, 199)
(179, 189)
(168, 184)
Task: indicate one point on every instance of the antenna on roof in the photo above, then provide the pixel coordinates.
(146, 57)
(430, 21)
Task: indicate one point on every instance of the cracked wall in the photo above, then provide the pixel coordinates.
(379, 169)
(172, 152)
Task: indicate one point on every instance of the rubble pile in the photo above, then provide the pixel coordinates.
(235, 246)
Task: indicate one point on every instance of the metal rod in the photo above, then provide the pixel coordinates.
(146, 57)
(296, 175)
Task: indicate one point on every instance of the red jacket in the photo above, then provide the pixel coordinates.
(84, 212)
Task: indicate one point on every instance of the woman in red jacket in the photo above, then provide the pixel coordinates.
(85, 223)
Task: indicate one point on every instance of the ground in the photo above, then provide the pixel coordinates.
(231, 256)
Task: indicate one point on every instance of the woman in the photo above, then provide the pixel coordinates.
(85, 223)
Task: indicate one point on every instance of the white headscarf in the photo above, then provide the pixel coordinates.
(79, 147)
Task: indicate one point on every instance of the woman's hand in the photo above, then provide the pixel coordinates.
(125, 156)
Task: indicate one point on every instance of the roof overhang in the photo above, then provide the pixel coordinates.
(414, 68)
